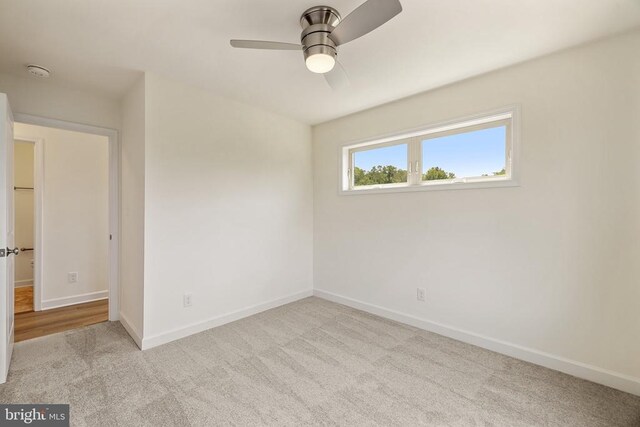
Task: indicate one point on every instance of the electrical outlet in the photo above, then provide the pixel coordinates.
(72, 277)
(187, 300)
(421, 294)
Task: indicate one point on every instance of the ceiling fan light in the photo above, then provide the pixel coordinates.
(320, 63)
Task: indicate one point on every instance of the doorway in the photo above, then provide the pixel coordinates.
(8, 250)
(25, 199)
(63, 231)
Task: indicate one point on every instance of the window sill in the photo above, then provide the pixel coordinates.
(433, 186)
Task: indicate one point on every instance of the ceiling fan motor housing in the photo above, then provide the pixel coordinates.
(317, 23)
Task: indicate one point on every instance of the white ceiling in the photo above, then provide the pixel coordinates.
(103, 44)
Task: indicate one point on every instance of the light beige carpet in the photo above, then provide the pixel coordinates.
(307, 363)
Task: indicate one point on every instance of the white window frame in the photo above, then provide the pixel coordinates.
(507, 116)
(402, 141)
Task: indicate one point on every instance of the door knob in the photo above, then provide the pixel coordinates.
(14, 251)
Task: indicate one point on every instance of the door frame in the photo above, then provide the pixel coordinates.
(38, 206)
(114, 196)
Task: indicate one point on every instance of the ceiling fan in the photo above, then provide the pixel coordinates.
(324, 30)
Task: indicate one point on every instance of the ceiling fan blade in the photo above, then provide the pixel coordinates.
(337, 78)
(366, 18)
(261, 44)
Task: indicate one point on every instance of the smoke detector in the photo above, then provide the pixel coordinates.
(38, 71)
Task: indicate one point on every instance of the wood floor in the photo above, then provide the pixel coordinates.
(32, 324)
(23, 299)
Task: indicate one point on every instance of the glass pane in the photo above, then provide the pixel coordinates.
(464, 155)
(387, 165)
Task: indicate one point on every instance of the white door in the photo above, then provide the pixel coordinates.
(7, 242)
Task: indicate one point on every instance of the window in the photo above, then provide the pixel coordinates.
(380, 165)
(472, 153)
(465, 154)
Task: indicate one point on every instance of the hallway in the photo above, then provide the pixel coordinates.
(32, 324)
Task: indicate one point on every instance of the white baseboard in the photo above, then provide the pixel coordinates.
(577, 369)
(194, 328)
(22, 283)
(135, 335)
(74, 299)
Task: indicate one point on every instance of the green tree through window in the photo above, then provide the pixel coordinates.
(379, 175)
(436, 172)
(393, 175)
(500, 172)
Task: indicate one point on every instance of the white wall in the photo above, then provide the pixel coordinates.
(132, 170)
(551, 265)
(75, 213)
(28, 95)
(228, 208)
(23, 162)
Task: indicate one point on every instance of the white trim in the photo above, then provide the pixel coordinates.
(133, 332)
(114, 196)
(12, 340)
(23, 283)
(194, 328)
(38, 235)
(440, 186)
(413, 138)
(9, 350)
(592, 373)
(72, 300)
(38, 210)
